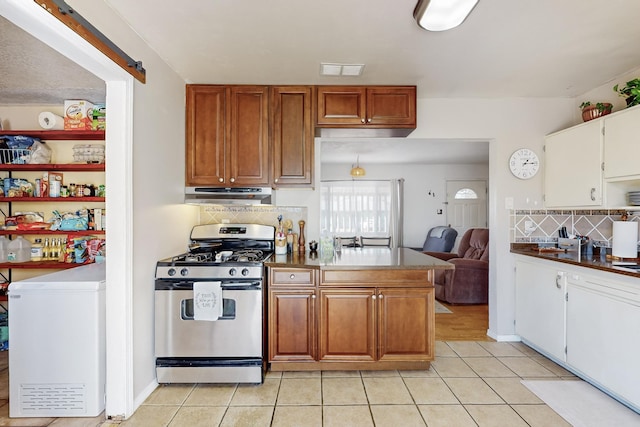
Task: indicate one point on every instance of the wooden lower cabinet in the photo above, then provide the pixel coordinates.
(350, 327)
(406, 324)
(347, 324)
(292, 332)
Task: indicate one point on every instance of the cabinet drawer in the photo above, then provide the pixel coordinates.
(291, 276)
(403, 278)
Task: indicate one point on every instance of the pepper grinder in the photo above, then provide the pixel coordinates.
(301, 237)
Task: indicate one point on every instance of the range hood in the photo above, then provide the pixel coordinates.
(229, 195)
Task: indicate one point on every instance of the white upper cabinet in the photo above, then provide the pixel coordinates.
(622, 144)
(573, 167)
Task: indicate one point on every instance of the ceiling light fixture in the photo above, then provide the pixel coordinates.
(350, 70)
(356, 170)
(441, 15)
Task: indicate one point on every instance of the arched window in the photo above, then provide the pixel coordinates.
(466, 193)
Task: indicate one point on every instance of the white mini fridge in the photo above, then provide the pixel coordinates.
(57, 344)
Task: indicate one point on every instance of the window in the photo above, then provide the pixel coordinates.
(465, 193)
(356, 207)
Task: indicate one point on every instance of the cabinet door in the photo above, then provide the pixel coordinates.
(347, 325)
(540, 307)
(391, 106)
(293, 138)
(248, 148)
(601, 339)
(622, 144)
(341, 105)
(205, 145)
(292, 335)
(573, 166)
(406, 324)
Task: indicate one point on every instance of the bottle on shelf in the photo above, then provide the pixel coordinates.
(4, 248)
(46, 250)
(19, 250)
(36, 250)
(281, 238)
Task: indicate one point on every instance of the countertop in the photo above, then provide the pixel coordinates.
(362, 258)
(590, 261)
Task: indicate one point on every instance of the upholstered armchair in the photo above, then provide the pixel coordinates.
(469, 282)
(440, 239)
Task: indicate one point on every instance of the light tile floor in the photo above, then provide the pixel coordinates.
(469, 384)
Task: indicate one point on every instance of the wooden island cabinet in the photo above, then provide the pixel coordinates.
(341, 316)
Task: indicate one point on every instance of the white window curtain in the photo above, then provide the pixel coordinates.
(362, 208)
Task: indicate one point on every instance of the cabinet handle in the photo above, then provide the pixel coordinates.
(293, 276)
(373, 297)
(232, 180)
(313, 296)
(381, 296)
(275, 180)
(369, 120)
(220, 179)
(558, 278)
(361, 120)
(593, 194)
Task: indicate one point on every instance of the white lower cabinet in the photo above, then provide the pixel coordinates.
(603, 321)
(540, 306)
(595, 315)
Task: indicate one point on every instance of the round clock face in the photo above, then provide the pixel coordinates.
(524, 163)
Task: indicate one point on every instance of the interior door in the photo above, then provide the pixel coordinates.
(466, 205)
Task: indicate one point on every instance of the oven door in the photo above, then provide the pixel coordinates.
(237, 333)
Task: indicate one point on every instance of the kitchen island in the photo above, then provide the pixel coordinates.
(366, 308)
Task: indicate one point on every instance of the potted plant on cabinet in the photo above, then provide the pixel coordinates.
(630, 91)
(590, 111)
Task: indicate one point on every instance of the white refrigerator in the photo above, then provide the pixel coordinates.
(57, 344)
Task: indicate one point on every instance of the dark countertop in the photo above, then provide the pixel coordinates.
(362, 258)
(590, 261)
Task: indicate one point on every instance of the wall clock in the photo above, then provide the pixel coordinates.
(524, 163)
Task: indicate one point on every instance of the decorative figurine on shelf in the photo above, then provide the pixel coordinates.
(301, 237)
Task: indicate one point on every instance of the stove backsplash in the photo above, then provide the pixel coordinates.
(258, 214)
(541, 226)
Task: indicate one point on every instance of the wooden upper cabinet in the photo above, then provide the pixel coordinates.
(227, 135)
(248, 154)
(366, 106)
(292, 135)
(206, 134)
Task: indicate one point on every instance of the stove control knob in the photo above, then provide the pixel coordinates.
(171, 272)
(232, 272)
(184, 272)
(245, 271)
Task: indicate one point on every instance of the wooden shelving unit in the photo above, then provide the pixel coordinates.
(67, 167)
(50, 135)
(44, 232)
(58, 135)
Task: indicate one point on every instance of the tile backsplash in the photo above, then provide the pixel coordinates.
(541, 226)
(257, 214)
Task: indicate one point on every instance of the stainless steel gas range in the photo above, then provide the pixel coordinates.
(229, 348)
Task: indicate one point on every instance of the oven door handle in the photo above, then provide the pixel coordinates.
(242, 286)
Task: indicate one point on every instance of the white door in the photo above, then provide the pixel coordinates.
(466, 205)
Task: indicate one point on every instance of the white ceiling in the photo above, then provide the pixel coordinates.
(506, 48)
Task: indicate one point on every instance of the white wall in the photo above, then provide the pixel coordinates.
(161, 222)
(420, 209)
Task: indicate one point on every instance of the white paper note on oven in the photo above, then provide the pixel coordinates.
(207, 300)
